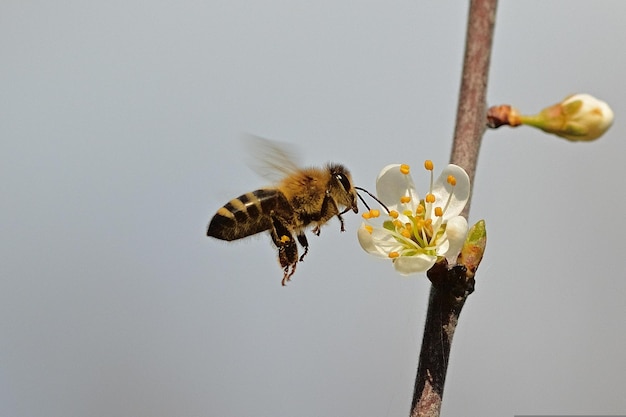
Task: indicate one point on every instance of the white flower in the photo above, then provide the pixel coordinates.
(415, 233)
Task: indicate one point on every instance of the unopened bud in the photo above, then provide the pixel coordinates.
(579, 117)
(473, 248)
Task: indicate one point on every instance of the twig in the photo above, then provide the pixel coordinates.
(451, 286)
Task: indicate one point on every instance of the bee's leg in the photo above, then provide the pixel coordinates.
(341, 218)
(284, 256)
(287, 248)
(330, 207)
(343, 229)
(304, 243)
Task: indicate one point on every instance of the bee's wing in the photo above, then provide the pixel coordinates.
(270, 159)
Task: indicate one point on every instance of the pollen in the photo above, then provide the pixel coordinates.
(374, 213)
(430, 198)
(369, 228)
(428, 164)
(367, 215)
(451, 180)
(394, 214)
(438, 211)
(405, 199)
(405, 169)
(284, 238)
(426, 226)
(393, 254)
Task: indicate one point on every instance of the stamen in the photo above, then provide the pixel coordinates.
(420, 225)
(369, 228)
(405, 199)
(438, 211)
(393, 254)
(419, 211)
(374, 213)
(449, 198)
(394, 214)
(451, 180)
(284, 238)
(428, 227)
(367, 215)
(430, 198)
(430, 187)
(406, 233)
(428, 164)
(404, 168)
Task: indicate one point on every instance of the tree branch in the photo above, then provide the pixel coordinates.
(472, 108)
(452, 285)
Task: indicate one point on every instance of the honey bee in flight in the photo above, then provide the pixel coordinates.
(303, 197)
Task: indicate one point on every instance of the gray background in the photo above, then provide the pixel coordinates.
(119, 129)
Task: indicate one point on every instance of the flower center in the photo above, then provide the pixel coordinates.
(425, 226)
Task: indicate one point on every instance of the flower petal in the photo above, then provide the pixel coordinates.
(460, 192)
(407, 265)
(377, 243)
(367, 242)
(392, 184)
(457, 233)
(444, 246)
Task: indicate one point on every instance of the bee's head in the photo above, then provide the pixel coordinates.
(341, 188)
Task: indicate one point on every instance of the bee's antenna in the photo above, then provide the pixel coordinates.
(371, 195)
(363, 201)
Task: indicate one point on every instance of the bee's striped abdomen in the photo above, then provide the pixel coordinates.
(247, 214)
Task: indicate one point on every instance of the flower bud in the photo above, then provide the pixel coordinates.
(474, 248)
(579, 117)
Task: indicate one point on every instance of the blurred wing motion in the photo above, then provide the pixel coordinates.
(270, 159)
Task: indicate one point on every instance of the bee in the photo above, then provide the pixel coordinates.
(301, 198)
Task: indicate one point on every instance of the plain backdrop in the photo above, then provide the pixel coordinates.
(119, 140)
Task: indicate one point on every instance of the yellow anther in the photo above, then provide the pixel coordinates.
(374, 213)
(367, 215)
(404, 168)
(394, 214)
(284, 238)
(428, 164)
(369, 228)
(419, 211)
(438, 211)
(393, 255)
(398, 224)
(405, 199)
(406, 233)
(451, 180)
(430, 198)
(428, 227)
